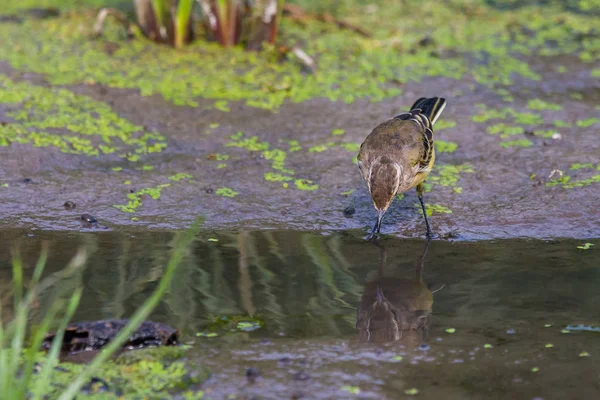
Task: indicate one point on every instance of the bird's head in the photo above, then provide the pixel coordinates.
(384, 179)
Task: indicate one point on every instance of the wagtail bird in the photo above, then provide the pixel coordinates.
(398, 155)
(396, 309)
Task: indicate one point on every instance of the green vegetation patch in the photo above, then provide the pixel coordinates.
(447, 175)
(539, 104)
(72, 123)
(226, 192)
(277, 158)
(517, 143)
(135, 199)
(450, 43)
(434, 208)
(442, 146)
(136, 374)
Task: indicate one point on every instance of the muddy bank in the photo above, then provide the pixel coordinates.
(143, 136)
(479, 190)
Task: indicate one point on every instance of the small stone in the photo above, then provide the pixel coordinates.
(252, 374)
(69, 205)
(209, 190)
(90, 219)
(349, 211)
(26, 180)
(301, 376)
(511, 332)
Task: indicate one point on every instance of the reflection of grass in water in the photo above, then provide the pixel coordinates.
(328, 302)
(264, 296)
(17, 378)
(217, 296)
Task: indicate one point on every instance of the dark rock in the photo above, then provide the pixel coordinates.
(301, 376)
(87, 336)
(69, 205)
(252, 374)
(349, 211)
(90, 219)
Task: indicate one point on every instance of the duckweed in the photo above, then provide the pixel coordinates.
(488, 49)
(71, 123)
(226, 192)
(180, 176)
(135, 200)
(517, 143)
(539, 104)
(435, 208)
(442, 146)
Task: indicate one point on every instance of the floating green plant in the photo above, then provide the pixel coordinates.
(53, 117)
(226, 192)
(317, 149)
(442, 146)
(180, 176)
(517, 143)
(585, 246)
(584, 123)
(337, 132)
(305, 184)
(539, 104)
(135, 199)
(435, 208)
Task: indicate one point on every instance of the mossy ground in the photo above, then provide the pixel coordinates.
(154, 373)
(254, 138)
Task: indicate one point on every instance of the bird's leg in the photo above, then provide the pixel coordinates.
(377, 227)
(420, 190)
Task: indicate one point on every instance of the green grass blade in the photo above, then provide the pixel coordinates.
(140, 315)
(53, 355)
(182, 22)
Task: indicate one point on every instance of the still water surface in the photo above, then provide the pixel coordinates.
(335, 317)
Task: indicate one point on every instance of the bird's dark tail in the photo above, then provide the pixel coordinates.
(431, 107)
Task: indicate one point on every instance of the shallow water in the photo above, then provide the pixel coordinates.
(494, 330)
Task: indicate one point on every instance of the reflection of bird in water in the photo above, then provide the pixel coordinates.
(395, 309)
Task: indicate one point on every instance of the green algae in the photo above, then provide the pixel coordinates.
(517, 143)
(221, 166)
(442, 146)
(226, 192)
(561, 124)
(318, 148)
(294, 146)
(276, 177)
(222, 105)
(135, 199)
(337, 132)
(567, 182)
(434, 208)
(584, 123)
(446, 175)
(539, 104)
(353, 147)
(277, 157)
(74, 124)
(444, 124)
(581, 166)
(136, 374)
(488, 49)
(306, 184)
(180, 176)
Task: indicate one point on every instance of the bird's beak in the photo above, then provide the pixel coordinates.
(379, 219)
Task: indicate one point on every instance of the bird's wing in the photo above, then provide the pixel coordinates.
(423, 129)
